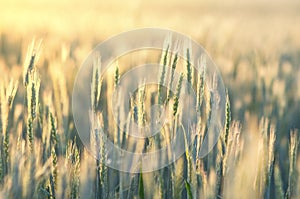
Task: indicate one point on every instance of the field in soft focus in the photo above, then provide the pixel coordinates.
(256, 46)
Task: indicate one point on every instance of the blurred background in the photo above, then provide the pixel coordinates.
(248, 40)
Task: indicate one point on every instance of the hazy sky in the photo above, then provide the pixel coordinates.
(70, 16)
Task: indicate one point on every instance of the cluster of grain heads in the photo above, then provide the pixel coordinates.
(33, 168)
(40, 165)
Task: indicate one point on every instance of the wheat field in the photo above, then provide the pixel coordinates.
(256, 47)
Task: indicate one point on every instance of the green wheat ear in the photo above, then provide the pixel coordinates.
(33, 53)
(53, 175)
(53, 132)
(73, 161)
(174, 64)
(201, 82)
(32, 84)
(270, 166)
(141, 105)
(189, 66)
(165, 56)
(293, 149)
(96, 83)
(228, 118)
(223, 151)
(117, 75)
(33, 89)
(177, 95)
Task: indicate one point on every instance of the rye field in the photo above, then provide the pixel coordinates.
(255, 46)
